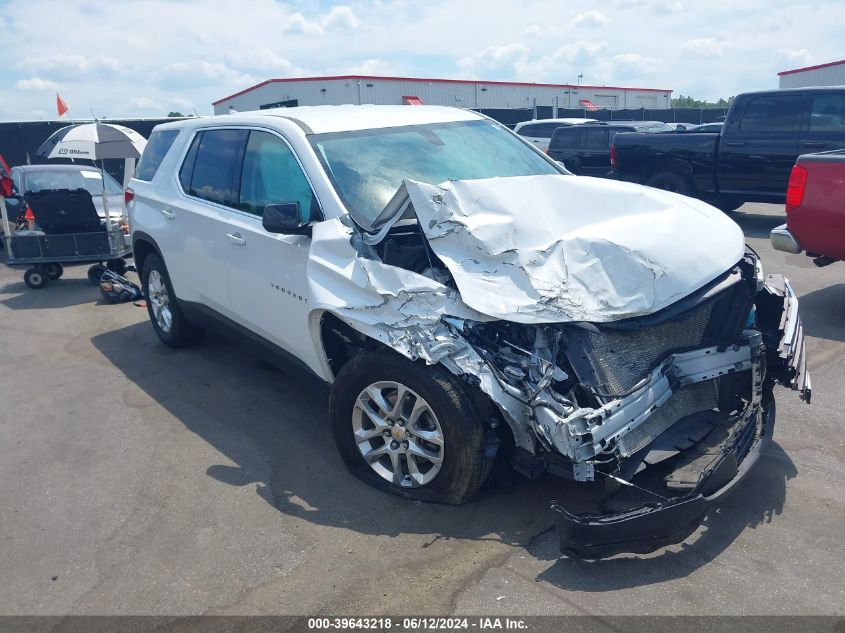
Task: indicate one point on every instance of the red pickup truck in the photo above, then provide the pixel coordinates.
(815, 209)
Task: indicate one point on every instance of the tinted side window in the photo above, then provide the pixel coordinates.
(828, 113)
(595, 139)
(217, 168)
(187, 170)
(772, 113)
(565, 138)
(154, 153)
(527, 130)
(271, 175)
(546, 130)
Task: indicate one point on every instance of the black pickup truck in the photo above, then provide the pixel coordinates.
(750, 160)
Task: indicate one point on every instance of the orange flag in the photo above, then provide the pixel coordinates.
(61, 106)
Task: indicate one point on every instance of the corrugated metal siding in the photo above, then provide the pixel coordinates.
(830, 76)
(467, 95)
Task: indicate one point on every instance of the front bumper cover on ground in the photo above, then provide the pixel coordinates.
(650, 527)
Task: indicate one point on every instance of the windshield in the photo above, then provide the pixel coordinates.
(366, 167)
(89, 179)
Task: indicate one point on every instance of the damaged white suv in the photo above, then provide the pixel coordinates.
(469, 301)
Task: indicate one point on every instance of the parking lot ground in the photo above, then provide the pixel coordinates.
(136, 479)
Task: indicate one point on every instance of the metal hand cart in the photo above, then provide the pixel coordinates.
(45, 253)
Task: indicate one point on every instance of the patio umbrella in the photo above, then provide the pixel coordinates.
(96, 142)
(93, 141)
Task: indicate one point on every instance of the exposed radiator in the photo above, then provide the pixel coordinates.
(621, 359)
(686, 401)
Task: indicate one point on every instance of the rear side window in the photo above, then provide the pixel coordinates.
(540, 130)
(155, 151)
(272, 175)
(565, 138)
(217, 166)
(828, 113)
(772, 113)
(597, 139)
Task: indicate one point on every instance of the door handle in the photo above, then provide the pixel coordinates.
(167, 213)
(815, 144)
(236, 239)
(735, 143)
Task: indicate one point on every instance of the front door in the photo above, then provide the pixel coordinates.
(267, 278)
(760, 145)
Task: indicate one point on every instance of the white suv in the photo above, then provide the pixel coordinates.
(511, 314)
(540, 131)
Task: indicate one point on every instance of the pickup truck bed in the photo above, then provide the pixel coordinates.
(815, 208)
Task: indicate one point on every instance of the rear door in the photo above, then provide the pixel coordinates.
(759, 146)
(209, 178)
(266, 271)
(826, 128)
(594, 151)
(564, 146)
(539, 133)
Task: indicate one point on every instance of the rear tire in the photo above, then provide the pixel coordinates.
(35, 278)
(393, 439)
(169, 323)
(671, 181)
(54, 271)
(728, 206)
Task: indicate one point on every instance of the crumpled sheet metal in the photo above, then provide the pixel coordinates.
(402, 310)
(543, 249)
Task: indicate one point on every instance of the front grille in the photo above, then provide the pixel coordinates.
(686, 401)
(621, 359)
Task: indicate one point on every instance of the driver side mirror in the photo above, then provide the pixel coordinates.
(284, 218)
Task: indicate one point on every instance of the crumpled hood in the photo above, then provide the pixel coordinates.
(536, 249)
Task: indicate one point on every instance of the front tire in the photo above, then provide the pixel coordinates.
(671, 181)
(35, 278)
(169, 323)
(408, 429)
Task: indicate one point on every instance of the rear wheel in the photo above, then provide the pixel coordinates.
(671, 181)
(54, 271)
(728, 205)
(170, 324)
(35, 278)
(408, 429)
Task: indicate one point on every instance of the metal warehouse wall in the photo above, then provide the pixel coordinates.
(829, 76)
(467, 95)
(511, 117)
(17, 140)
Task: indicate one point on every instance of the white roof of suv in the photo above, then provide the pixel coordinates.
(343, 118)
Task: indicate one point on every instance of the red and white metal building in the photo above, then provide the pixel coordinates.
(830, 74)
(360, 89)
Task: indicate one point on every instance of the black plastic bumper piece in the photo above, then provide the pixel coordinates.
(650, 527)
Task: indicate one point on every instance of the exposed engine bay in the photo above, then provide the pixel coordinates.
(667, 378)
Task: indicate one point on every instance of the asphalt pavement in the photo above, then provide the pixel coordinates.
(137, 479)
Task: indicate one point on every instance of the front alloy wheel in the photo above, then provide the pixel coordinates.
(410, 429)
(398, 434)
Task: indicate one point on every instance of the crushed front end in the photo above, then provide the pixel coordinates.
(641, 360)
(675, 406)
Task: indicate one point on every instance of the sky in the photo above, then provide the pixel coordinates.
(128, 58)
